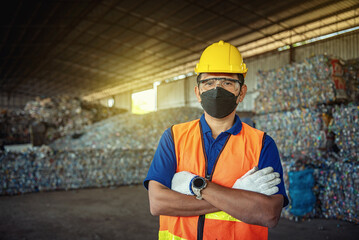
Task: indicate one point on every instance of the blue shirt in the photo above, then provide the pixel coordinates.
(164, 163)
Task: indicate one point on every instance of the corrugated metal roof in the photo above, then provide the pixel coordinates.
(99, 48)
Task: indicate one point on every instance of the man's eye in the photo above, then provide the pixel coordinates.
(228, 83)
(208, 83)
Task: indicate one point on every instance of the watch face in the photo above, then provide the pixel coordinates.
(198, 183)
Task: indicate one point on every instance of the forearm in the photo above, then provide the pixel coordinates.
(164, 201)
(249, 207)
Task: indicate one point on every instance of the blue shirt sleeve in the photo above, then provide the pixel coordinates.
(164, 163)
(270, 157)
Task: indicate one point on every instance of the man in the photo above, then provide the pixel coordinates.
(204, 180)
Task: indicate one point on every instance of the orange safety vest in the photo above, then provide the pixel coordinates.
(240, 153)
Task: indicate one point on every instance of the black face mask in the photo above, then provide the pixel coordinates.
(218, 102)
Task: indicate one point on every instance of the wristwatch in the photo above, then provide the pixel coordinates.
(198, 184)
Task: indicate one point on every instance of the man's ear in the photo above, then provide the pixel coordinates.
(198, 95)
(242, 93)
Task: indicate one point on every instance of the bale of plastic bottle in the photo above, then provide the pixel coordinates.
(301, 185)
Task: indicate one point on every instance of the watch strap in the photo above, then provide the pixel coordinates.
(198, 191)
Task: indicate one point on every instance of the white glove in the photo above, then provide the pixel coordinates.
(261, 181)
(182, 181)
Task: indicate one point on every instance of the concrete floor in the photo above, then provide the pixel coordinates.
(120, 213)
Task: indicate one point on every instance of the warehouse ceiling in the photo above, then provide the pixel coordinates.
(96, 49)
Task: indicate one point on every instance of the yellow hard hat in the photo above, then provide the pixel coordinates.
(221, 57)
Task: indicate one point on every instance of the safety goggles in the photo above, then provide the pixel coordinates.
(229, 84)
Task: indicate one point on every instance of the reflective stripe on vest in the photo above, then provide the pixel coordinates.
(166, 235)
(221, 216)
(239, 154)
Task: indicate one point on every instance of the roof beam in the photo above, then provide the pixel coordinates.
(46, 56)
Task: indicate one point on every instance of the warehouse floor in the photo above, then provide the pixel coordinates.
(120, 213)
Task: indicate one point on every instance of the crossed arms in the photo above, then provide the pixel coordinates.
(247, 206)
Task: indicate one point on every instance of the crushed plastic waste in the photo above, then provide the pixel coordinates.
(313, 116)
(116, 151)
(42, 169)
(49, 119)
(319, 79)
